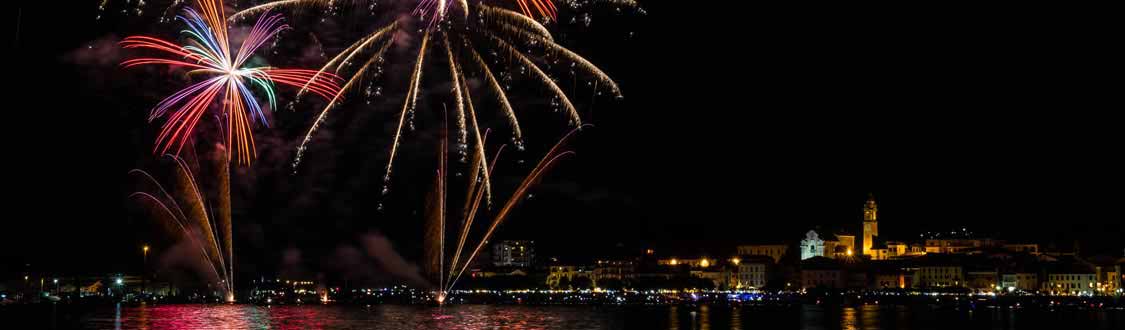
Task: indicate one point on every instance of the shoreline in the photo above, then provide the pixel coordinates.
(938, 301)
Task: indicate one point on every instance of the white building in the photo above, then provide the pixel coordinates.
(1070, 284)
(752, 274)
(513, 254)
(1025, 281)
(812, 246)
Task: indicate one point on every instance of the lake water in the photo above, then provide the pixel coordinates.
(158, 317)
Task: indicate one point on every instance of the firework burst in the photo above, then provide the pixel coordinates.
(229, 79)
(467, 36)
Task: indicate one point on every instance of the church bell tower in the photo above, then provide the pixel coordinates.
(870, 223)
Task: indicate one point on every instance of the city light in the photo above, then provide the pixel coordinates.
(120, 281)
(849, 252)
(145, 248)
(735, 261)
(704, 263)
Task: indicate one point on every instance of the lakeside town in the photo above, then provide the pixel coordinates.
(822, 262)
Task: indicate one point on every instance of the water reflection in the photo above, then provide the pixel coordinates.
(869, 317)
(673, 318)
(735, 318)
(704, 317)
(173, 317)
(847, 319)
(394, 317)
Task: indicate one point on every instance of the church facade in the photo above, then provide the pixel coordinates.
(843, 244)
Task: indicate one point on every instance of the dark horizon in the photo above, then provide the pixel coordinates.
(739, 125)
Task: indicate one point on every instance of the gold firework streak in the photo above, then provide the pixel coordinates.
(552, 156)
(550, 83)
(500, 95)
(483, 166)
(324, 113)
(408, 104)
(250, 12)
(184, 211)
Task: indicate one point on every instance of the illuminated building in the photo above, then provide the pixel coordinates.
(901, 249)
(939, 271)
(938, 277)
(775, 251)
(842, 247)
(959, 245)
(878, 251)
(1115, 278)
(812, 246)
(513, 254)
(752, 273)
(1022, 281)
(870, 224)
(1119, 280)
(612, 269)
(1071, 276)
(1109, 273)
(703, 262)
(556, 274)
(1070, 284)
(815, 246)
(895, 249)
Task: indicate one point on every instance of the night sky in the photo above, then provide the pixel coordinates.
(739, 125)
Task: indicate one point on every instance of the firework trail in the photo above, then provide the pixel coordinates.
(184, 211)
(229, 79)
(467, 35)
(461, 261)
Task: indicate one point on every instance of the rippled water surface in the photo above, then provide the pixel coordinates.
(588, 317)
